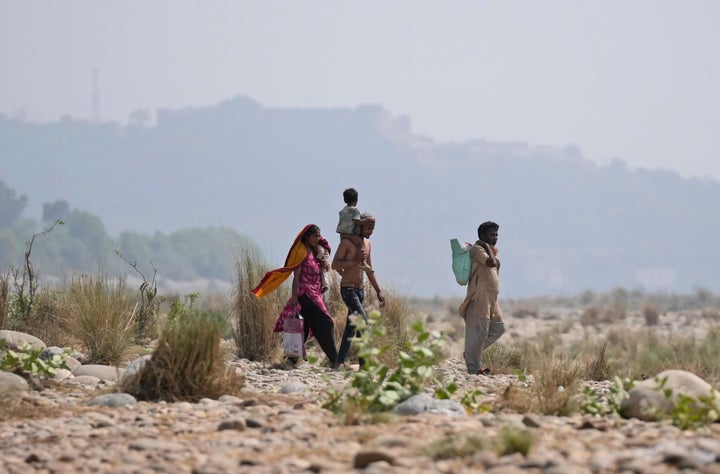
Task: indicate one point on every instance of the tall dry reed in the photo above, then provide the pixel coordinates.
(48, 321)
(253, 319)
(4, 299)
(98, 312)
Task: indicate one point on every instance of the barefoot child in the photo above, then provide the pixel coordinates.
(347, 227)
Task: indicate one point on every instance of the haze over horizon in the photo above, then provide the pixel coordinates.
(629, 81)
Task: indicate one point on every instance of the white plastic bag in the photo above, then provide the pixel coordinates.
(293, 336)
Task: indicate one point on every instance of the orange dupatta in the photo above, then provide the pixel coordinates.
(274, 278)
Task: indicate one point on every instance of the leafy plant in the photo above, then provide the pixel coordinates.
(600, 404)
(471, 401)
(377, 388)
(689, 412)
(513, 440)
(693, 413)
(184, 309)
(27, 361)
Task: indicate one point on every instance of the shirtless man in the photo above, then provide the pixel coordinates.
(348, 258)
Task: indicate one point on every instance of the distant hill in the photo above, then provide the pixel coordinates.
(566, 224)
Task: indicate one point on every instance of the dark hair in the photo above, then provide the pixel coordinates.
(350, 195)
(485, 227)
(310, 231)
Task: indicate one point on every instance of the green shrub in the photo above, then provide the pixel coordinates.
(376, 387)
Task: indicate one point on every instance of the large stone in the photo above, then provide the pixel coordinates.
(294, 387)
(83, 380)
(12, 384)
(104, 372)
(136, 366)
(648, 400)
(62, 374)
(424, 403)
(15, 339)
(113, 400)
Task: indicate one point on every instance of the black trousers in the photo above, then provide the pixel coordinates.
(321, 324)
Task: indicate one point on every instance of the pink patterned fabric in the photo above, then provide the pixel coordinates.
(311, 281)
(310, 284)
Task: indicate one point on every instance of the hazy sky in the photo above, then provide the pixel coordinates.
(637, 80)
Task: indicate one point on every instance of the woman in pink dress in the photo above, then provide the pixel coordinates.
(307, 295)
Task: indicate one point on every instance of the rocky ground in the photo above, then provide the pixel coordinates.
(277, 425)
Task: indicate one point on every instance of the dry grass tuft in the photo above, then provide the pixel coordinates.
(651, 314)
(335, 306)
(555, 385)
(506, 358)
(552, 391)
(99, 313)
(602, 315)
(47, 320)
(457, 445)
(187, 364)
(25, 407)
(599, 367)
(394, 317)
